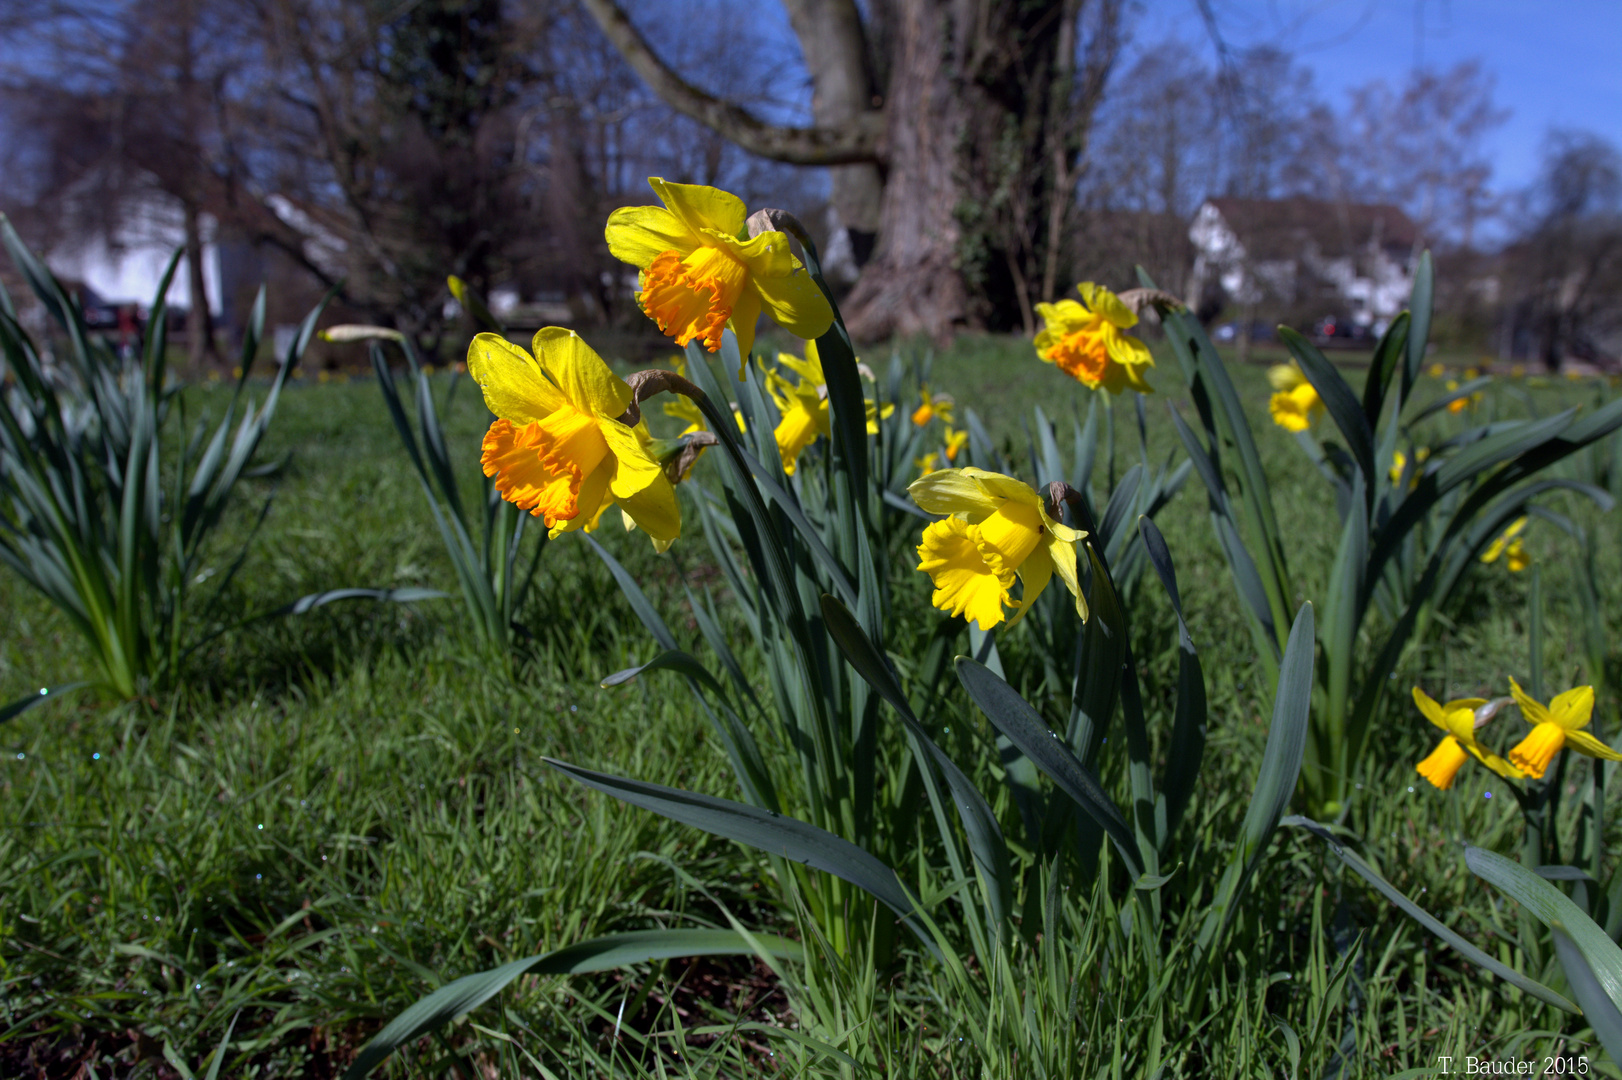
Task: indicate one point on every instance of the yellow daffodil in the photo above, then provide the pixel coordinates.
(927, 464)
(1437, 371)
(938, 405)
(1509, 545)
(955, 442)
(1458, 405)
(995, 528)
(1471, 373)
(1517, 371)
(875, 414)
(1399, 461)
(1459, 719)
(1558, 725)
(701, 271)
(1088, 341)
(803, 405)
(557, 448)
(1294, 404)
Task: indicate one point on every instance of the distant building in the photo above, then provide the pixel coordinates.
(1303, 259)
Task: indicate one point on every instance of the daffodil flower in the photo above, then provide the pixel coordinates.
(1295, 403)
(995, 528)
(1460, 719)
(875, 413)
(1458, 405)
(557, 448)
(682, 407)
(1399, 461)
(1509, 545)
(933, 405)
(955, 442)
(803, 406)
(702, 272)
(1436, 371)
(928, 463)
(1554, 727)
(1088, 341)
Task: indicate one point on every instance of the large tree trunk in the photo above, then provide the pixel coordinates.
(199, 319)
(966, 145)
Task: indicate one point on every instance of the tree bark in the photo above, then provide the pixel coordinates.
(199, 319)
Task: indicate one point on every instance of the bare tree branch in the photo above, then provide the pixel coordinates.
(858, 141)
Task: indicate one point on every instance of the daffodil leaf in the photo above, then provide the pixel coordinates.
(1343, 407)
(466, 994)
(669, 660)
(1428, 921)
(766, 830)
(1598, 1009)
(1187, 747)
(980, 826)
(1388, 356)
(1015, 718)
(407, 595)
(1462, 393)
(1554, 908)
(44, 694)
(1419, 326)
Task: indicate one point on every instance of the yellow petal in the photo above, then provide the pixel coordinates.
(1103, 302)
(1034, 575)
(1492, 761)
(640, 234)
(745, 314)
(702, 207)
(1009, 537)
(1572, 709)
(1429, 707)
(1063, 554)
(952, 491)
(799, 428)
(964, 584)
(1534, 712)
(1285, 376)
(655, 509)
(767, 254)
(581, 374)
(1584, 743)
(795, 303)
(514, 384)
(635, 468)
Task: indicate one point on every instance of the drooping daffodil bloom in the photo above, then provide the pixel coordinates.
(702, 272)
(558, 448)
(955, 442)
(933, 405)
(802, 405)
(1560, 724)
(928, 463)
(1509, 545)
(1295, 403)
(996, 528)
(1088, 341)
(1460, 719)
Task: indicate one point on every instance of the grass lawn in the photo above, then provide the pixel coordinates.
(341, 810)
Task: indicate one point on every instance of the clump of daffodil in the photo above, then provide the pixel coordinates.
(955, 442)
(558, 447)
(1088, 341)
(1560, 724)
(1460, 719)
(702, 271)
(995, 529)
(1510, 547)
(936, 405)
(1399, 461)
(1295, 403)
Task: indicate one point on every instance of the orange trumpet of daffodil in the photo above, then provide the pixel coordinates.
(1554, 727)
(1460, 719)
(558, 448)
(996, 528)
(1088, 341)
(702, 271)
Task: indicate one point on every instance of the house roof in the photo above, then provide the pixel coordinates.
(1275, 228)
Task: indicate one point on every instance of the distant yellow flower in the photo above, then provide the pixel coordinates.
(996, 528)
(1517, 371)
(927, 464)
(1088, 341)
(937, 405)
(803, 405)
(1399, 461)
(875, 414)
(1294, 404)
(1554, 727)
(1458, 405)
(955, 442)
(1471, 373)
(1459, 719)
(701, 272)
(1509, 544)
(558, 448)
(1437, 371)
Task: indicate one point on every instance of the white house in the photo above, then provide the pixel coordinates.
(1351, 259)
(126, 266)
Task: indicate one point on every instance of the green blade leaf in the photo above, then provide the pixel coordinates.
(1419, 326)
(767, 830)
(1387, 356)
(671, 660)
(1342, 404)
(1015, 718)
(23, 704)
(1553, 908)
(599, 954)
(1598, 1009)
(1429, 922)
(1187, 748)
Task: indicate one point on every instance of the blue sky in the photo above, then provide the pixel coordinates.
(1556, 61)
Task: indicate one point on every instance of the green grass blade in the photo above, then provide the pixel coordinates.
(23, 704)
